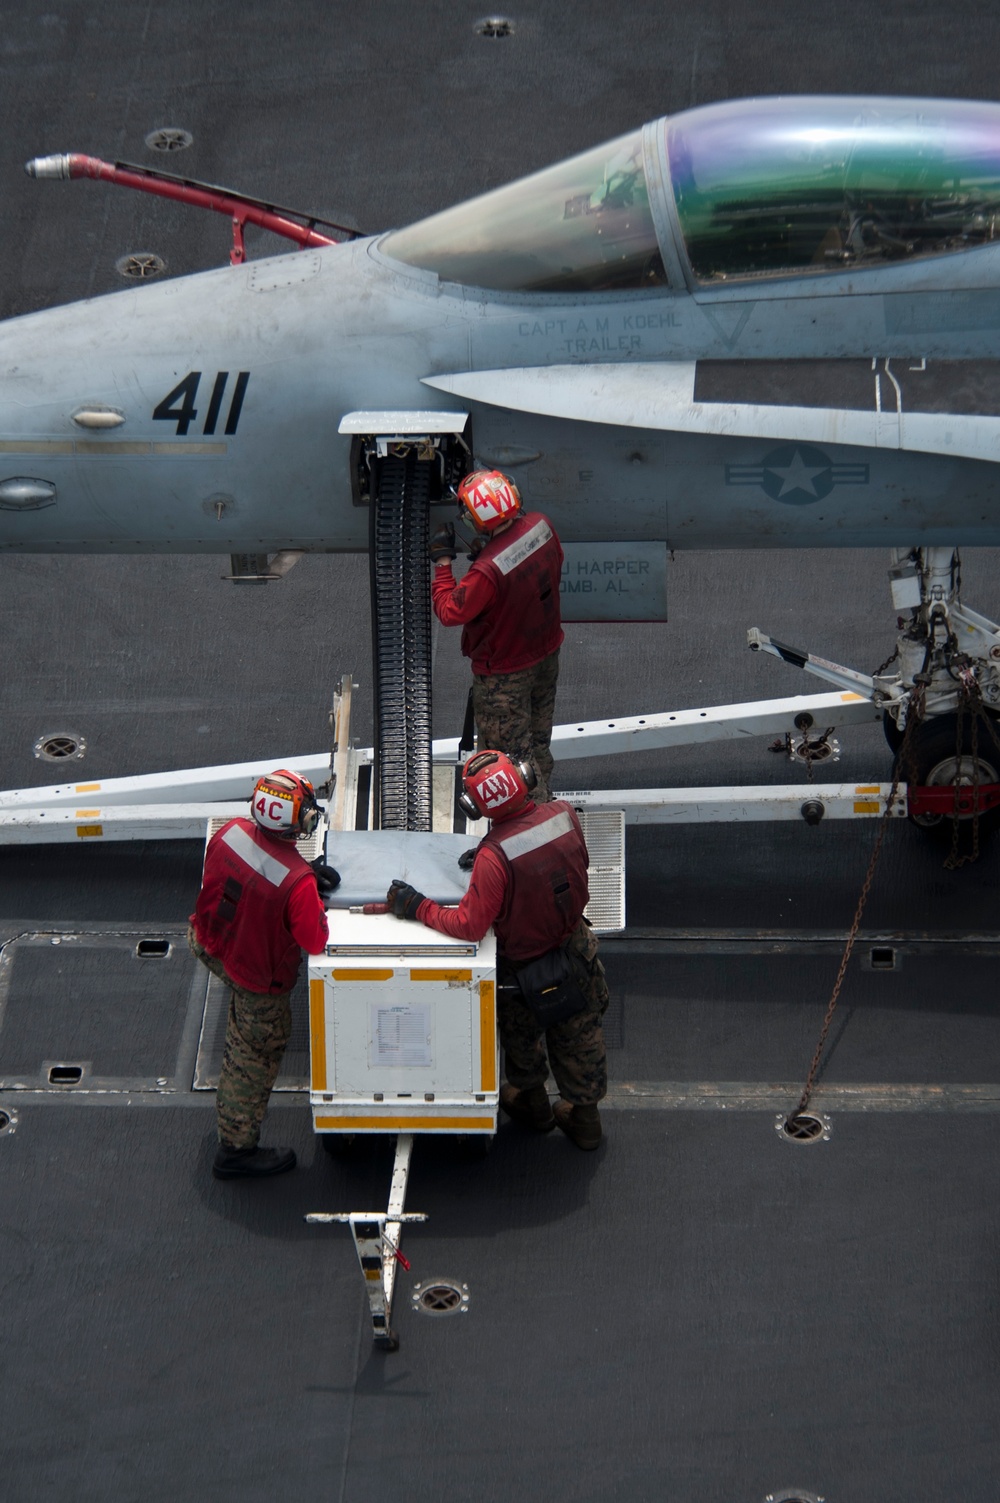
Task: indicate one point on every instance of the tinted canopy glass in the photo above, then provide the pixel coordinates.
(769, 186)
(582, 226)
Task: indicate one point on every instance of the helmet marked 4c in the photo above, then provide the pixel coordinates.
(284, 804)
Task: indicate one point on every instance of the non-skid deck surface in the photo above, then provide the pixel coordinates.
(698, 1313)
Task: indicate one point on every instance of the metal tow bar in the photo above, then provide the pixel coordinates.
(376, 1240)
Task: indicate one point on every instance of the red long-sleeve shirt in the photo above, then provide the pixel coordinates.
(479, 907)
(306, 915)
(529, 881)
(508, 602)
(455, 604)
(258, 908)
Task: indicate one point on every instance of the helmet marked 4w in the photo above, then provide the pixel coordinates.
(494, 786)
(489, 499)
(284, 804)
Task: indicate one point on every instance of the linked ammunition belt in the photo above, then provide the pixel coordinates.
(401, 611)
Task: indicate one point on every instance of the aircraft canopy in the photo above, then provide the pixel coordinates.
(765, 187)
(581, 226)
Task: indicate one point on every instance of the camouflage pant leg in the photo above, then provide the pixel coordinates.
(575, 1047)
(514, 715)
(545, 675)
(257, 1030)
(525, 1062)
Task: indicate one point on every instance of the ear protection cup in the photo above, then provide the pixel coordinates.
(467, 806)
(474, 765)
(309, 817)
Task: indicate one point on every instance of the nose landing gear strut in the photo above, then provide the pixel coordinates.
(946, 676)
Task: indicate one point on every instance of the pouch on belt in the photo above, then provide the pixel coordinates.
(553, 987)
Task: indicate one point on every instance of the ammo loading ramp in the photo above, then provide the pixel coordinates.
(388, 1002)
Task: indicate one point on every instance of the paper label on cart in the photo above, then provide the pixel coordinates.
(400, 1035)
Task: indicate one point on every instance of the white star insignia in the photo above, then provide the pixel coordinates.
(797, 476)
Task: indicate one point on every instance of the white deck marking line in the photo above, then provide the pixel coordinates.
(628, 1095)
(758, 1096)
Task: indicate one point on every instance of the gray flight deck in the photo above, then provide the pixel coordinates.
(700, 1312)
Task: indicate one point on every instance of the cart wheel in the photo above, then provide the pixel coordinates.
(935, 764)
(337, 1144)
(388, 1342)
(477, 1144)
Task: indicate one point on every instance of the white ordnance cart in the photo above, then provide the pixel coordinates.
(402, 1029)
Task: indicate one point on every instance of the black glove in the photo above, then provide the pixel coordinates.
(403, 900)
(477, 545)
(467, 860)
(443, 543)
(327, 877)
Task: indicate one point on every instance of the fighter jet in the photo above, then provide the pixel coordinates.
(735, 327)
(762, 323)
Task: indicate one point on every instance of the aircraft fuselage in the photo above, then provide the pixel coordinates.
(202, 414)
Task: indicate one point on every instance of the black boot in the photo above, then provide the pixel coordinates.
(581, 1124)
(530, 1108)
(251, 1163)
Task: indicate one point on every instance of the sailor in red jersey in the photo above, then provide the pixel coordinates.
(259, 907)
(508, 607)
(529, 881)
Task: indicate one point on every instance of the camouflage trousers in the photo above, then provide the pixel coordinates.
(514, 715)
(575, 1047)
(257, 1029)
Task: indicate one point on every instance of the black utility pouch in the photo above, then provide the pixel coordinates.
(552, 987)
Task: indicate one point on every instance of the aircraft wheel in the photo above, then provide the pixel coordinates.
(933, 761)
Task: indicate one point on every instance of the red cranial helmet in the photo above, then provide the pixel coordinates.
(489, 499)
(494, 785)
(285, 805)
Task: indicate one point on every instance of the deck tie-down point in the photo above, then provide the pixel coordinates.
(803, 1127)
(440, 1297)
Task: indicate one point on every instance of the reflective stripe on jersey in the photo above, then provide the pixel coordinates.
(531, 840)
(545, 855)
(515, 553)
(239, 841)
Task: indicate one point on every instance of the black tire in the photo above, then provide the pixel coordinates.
(337, 1144)
(477, 1145)
(931, 761)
